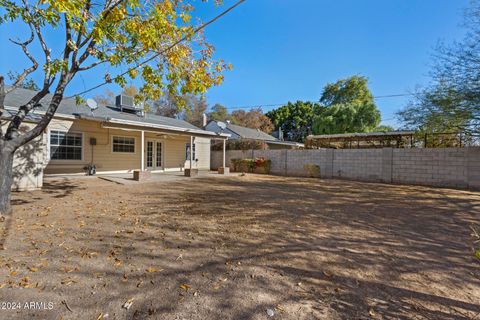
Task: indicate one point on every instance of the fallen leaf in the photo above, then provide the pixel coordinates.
(152, 269)
(128, 303)
(185, 287)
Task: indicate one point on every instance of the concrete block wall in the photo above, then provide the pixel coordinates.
(444, 167)
(473, 168)
(362, 164)
(216, 157)
(278, 158)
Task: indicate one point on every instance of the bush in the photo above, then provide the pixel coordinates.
(313, 170)
(243, 144)
(257, 165)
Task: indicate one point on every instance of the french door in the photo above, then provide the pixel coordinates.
(153, 155)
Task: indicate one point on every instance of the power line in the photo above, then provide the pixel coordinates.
(198, 29)
(285, 103)
(395, 95)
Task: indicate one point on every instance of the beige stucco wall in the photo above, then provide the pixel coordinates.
(173, 153)
(32, 160)
(28, 162)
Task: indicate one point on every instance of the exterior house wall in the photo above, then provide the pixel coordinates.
(33, 160)
(103, 157)
(28, 162)
(443, 167)
(173, 153)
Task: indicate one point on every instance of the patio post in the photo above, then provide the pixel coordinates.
(224, 148)
(142, 150)
(223, 169)
(191, 152)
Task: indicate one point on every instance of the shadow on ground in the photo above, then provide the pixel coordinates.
(231, 248)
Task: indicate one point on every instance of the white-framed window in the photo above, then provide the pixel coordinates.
(123, 144)
(65, 145)
(187, 151)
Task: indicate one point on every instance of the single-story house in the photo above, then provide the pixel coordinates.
(115, 139)
(237, 132)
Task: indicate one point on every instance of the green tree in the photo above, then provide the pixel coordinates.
(295, 119)
(219, 113)
(347, 107)
(384, 128)
(350, 90)
(436, 110)
(346, 118)
(155, 41)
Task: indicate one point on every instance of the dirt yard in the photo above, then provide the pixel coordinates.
(239, 248)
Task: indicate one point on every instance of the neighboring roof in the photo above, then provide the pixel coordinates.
(241, 132)
(287, 143)
(248, 133)
(362, 134)
(68, 107)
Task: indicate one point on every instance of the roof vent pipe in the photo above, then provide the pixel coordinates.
(204, 120)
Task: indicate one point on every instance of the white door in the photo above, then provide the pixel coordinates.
(153, 155)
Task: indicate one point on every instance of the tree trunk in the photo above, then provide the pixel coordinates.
(6, 180)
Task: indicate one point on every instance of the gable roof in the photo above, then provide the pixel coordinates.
(68, 107)
(240, 132)
(248, 133)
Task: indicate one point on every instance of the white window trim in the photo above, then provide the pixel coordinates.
(195, 151)
(120, 152)
(49, 156)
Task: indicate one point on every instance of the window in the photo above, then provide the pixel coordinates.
(65, 145)
(187, 151)
(124, 144)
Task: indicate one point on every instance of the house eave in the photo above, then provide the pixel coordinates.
(115, 121)
(135, 125)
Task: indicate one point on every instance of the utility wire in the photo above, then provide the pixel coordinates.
(198, 29)
(285, 103)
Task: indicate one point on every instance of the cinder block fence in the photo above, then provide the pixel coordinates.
(443, 167)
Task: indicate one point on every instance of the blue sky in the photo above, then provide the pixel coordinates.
(287, 50)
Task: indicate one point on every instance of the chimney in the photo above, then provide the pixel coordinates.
(204, 120)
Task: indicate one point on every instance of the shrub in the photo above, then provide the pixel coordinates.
(313, 170)
(257, 165)
(243, 144)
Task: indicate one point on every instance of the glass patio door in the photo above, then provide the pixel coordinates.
(153, 155)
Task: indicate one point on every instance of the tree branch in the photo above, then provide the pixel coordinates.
(27, 71)
(94, 64)
(12, 130)
(2, 107)
(88, 39)
(82, 29)
(48, 59)
(52, 108)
